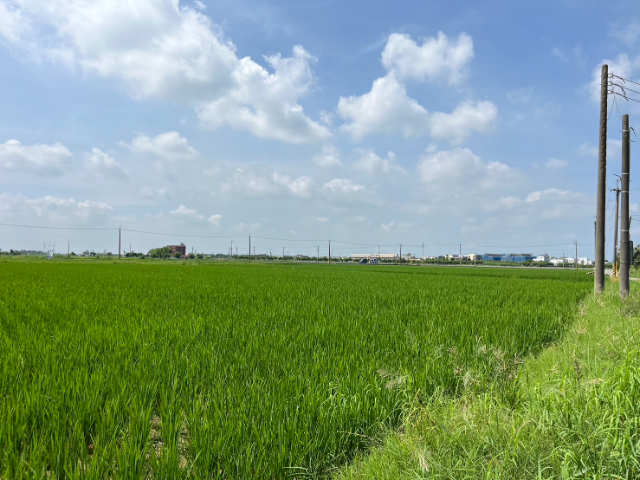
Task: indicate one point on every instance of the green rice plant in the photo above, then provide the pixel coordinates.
(246, 371)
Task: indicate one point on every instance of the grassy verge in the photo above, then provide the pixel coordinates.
(571, 412)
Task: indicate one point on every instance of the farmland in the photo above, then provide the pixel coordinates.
(244, 371)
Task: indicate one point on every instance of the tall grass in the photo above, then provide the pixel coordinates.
(237, 371)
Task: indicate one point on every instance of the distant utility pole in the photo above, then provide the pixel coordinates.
(318, 247)
(68, 250)
(231, 253)
(576, 255)
(119, 242)
(602, 183)
(378, 251)
(615, 233)
(400, 261)
(460, 254)
(624, 211)
(563, 260)
(329, 250)
(249, 247)
(423, 251)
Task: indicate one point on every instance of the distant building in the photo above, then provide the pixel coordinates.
(379, 256)
(542, 258)
(512, 257)
(181, 249)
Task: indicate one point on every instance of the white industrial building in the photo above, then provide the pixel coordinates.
(379, 256)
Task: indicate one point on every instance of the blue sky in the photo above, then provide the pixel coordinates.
(372, 123)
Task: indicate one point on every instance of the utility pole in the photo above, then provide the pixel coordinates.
(624, 211)
(68, 250)
(563, 260)
(602, 183)
(282, 253)
(231, 248)
(423, 252)
(576, 255)
(400, 261)
(119, 242)
(249, 247)
(318, 248)
(329, 250)
(615, 234)
(460, 254)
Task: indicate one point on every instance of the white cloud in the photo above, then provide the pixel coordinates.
(628, 34)
(622, 66)
(50, 208)
(39, 159)
(100, 162)
(466, 118)
(557, 52)
(169, 146)
(387, 226)
(519, 95)
(162, 48)
(554, 203)
(555, 164)
(387, 108)
(371, 163)
(343, 186)
(266, 104)
(261, 181)
(187, 212)
(451, 167)
(438, 58)
(215, 219)
(321, 219)
(330, 157)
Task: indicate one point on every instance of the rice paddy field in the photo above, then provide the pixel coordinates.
(238, 371)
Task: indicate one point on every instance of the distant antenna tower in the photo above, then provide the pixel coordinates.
(50, 249)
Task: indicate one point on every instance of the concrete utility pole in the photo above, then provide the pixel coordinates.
(460, 254)
(563, 260)
(400, 260)
(423, 252)
(249, 247)
(624, 211)
(231, 249)
(602, 183)
(68, 250)
(318, 248)
(119, 242)
(615, 234)
(576, 255)
(329, 250)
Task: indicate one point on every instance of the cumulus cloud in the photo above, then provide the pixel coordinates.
(461, 166)
(555, 164)
(39, 159)
(266, 104)
(438, 58)
(466, 118)
(343, 186)
(51, 208)
(187, 212)
(101, 163)
(261, 181)
(169, 146)
(371, 163)
(387, 226)
(622, 65)
(215, 219)
(554, 203)
(330, 157)
(165, 49)
(385, 109)
(627, 34)
(388, 109)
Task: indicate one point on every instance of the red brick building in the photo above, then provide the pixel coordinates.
(181, 249)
